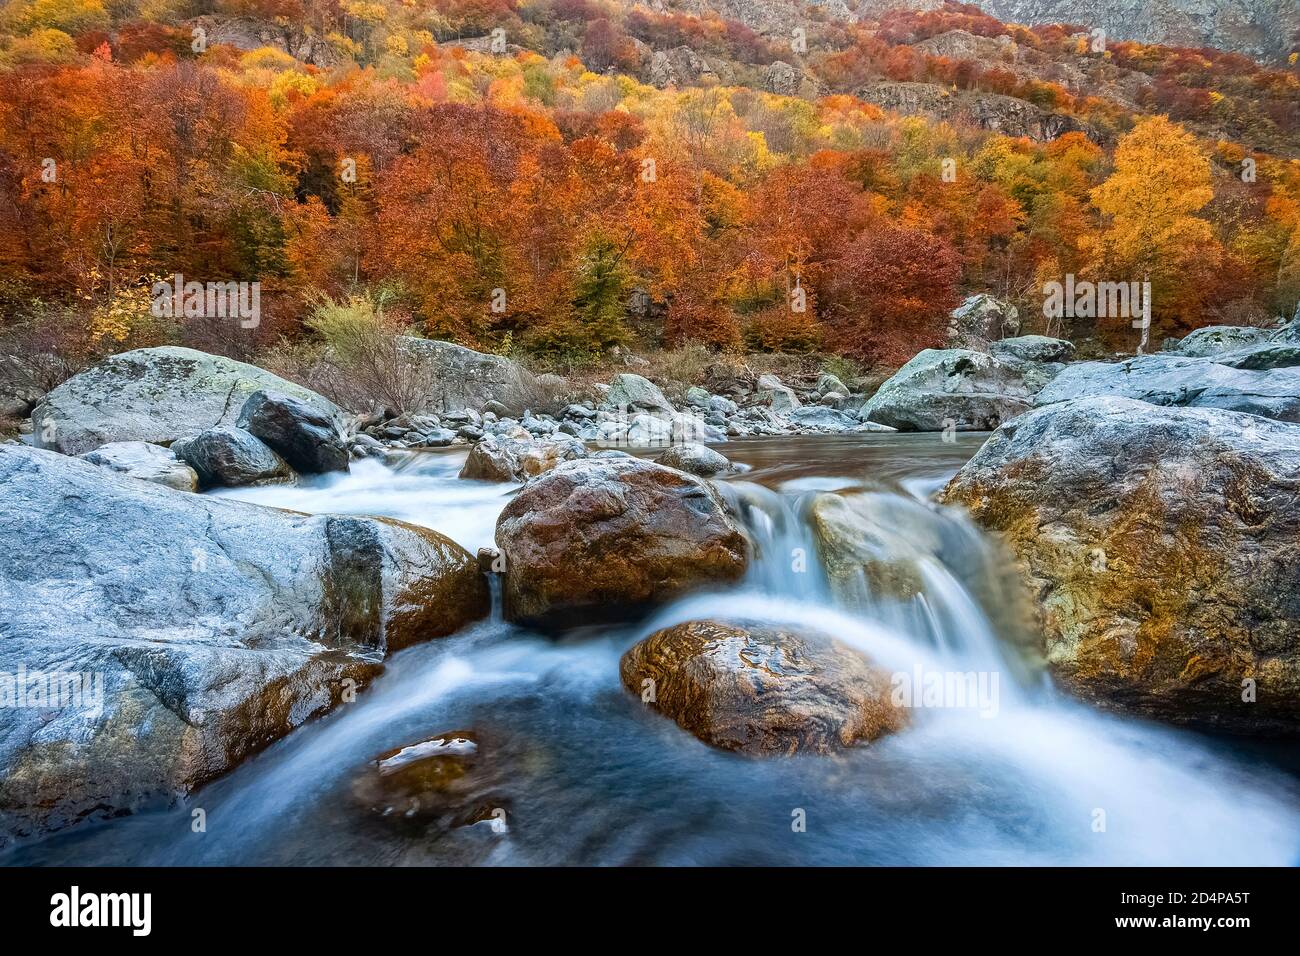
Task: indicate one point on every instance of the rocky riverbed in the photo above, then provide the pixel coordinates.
(756, 570)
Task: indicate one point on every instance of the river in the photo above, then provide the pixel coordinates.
(572, 769)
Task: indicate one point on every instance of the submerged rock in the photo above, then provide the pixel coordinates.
(761, 689)
(518, 459)
(1164, 547)
(952, 388)
(231, 458)
(601, 537)
(209, 627)
(155, 395)
(447, 778)
(145, 461)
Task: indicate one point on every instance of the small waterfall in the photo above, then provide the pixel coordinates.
(883, 559)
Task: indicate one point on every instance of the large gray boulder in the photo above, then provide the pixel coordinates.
(1033, 348)
(600, 538)
(200, 630)
(309, 439)
(1170, 379)
(953, 388)
(154, 395)
(231, 458)
(632, 391)
(1218, 339)
(459, 378)
(1163, 545)
(140, 459)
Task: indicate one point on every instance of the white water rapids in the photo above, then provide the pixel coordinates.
(593, 777)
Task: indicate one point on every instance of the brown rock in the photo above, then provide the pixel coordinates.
(760, 689)
(600, 537)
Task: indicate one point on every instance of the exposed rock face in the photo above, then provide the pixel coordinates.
(990, 111)
(211, 627)
(1034, 348)
(154, 395)
(1168, 379)
(246, 33)
(760, 689)
(695, 459)
(139, 459)
(231, 457)
(1164, 547)
(310, 440)
(460, 378)
(600, 537)
(682, 66)
(953, 388)
(518, 459)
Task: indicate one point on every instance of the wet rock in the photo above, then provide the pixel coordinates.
(145, 461)
(1164, 547)
(515, 459)
(231, 457)
(695, 459)
(155, 395)
(213, 627)
(309, 439)
(603, 537)
(1034, 348)
(761, 689)
(951, 388)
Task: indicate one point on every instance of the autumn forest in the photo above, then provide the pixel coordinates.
(507, 174)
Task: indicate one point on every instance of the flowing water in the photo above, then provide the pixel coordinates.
(580, 772)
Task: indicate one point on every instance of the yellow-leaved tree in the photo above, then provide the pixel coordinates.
(1160, 181)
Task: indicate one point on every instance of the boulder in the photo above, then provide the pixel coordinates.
(760, 689)
(147, 462)
(628, 390)
(518, 459)
(1033, 348)
(309, 439)
(1163, 545)
(155, 395)
(201, 629)
(1217, 339)
(952, 388)
(826, 383)
(982, 319)
(1170, 379)
(776, 395)
(695, 459)
(226, 457)
(459, 378)
(602, 537)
